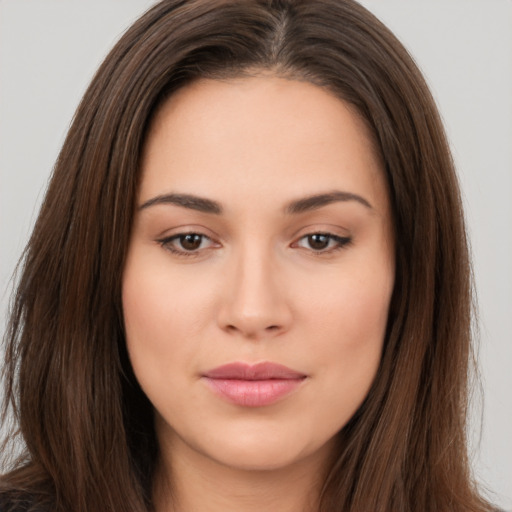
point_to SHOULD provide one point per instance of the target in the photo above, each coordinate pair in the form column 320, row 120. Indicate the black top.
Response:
column 7, row 505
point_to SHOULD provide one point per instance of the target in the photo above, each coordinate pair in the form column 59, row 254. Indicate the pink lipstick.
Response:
column 253, row 385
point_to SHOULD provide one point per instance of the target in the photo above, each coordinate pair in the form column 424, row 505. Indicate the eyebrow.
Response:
column 302, row 205
column 318, row 201
column 192, row 202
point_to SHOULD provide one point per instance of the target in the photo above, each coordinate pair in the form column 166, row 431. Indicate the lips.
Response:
column 253, row 385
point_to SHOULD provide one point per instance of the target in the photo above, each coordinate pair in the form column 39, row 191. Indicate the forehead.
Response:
column 258, row 136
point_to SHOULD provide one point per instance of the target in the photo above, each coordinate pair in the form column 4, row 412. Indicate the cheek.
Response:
column 162, row 316
column 352, row 339
column 146, row 307
column 350, row 305
column 159, row 299
column 351, row 327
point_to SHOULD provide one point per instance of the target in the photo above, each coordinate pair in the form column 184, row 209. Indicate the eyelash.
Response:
column 166, row 243
column 340, row 242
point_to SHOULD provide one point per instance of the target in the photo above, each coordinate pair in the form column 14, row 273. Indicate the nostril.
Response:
column 233, row 328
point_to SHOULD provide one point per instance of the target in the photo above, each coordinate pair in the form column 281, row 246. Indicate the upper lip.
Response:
column 260, row 371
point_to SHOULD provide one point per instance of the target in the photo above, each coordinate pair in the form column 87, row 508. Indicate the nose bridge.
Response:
column 255, row 302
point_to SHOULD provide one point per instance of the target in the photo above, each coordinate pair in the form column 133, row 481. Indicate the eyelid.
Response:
column 165, row 242
column 336, row 241
column 340, row 241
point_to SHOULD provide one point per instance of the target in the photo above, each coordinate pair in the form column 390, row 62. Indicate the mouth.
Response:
column 253, row 385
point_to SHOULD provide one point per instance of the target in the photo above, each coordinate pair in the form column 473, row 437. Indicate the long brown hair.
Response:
column 87, row 428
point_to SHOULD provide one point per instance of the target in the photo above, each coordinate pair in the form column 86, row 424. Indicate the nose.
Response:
column 255, row 303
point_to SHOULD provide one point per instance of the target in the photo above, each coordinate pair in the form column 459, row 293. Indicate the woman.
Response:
column 248, row 286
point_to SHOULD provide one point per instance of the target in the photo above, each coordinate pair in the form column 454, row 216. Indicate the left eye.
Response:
column 322, row 242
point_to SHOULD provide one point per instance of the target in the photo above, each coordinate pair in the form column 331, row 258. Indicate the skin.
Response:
column 254, row 288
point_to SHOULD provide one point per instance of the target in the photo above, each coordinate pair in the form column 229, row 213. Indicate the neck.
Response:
column 190, row 482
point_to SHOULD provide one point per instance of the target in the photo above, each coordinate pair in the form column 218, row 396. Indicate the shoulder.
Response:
column 19, row 497
column 17, row 505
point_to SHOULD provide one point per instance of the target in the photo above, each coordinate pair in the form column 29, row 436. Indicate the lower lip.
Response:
column 253, row 393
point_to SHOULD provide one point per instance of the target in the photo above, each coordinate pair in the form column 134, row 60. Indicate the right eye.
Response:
column 186, row 244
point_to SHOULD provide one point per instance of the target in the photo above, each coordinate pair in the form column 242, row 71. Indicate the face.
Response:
column 259, row 273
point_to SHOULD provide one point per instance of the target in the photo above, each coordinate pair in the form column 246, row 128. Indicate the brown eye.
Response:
column 318, row 241
column 191, row 241
column 187, row 244
column 323, row 242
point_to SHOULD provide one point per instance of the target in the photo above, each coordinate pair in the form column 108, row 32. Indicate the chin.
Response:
column 265, row 450
column 257, row 459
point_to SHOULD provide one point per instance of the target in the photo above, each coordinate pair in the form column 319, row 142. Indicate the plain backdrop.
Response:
column 49, row 50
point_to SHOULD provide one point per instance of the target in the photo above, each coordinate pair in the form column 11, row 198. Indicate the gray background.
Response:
column 49, row 50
